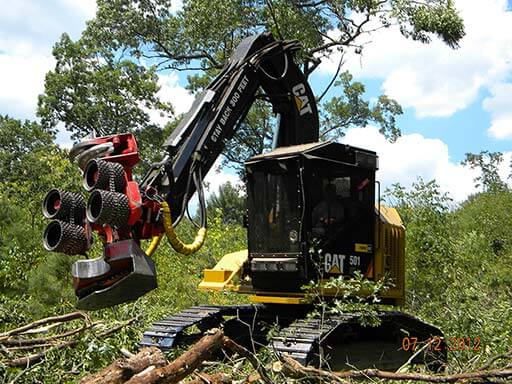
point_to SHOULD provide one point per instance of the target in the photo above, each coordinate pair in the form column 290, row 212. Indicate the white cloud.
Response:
column 28, row 30
column 219, row 176
column 38, row 24
column 87, row 8
column 171, row 91
column 412, row 156
column 176, row 5
column 63, row 138
column 499, row 105
column 22, row 80
column 434, row 79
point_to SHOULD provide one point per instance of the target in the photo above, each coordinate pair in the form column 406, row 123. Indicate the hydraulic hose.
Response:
column 178, row 245
column 155, row 241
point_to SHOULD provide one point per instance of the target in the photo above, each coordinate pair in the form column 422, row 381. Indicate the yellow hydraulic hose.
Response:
column 178, row 245
column 154, row 244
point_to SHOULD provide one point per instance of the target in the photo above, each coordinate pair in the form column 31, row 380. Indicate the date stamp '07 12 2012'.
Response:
column 437, row 343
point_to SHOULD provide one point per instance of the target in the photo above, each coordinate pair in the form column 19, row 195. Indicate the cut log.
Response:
column 123, row 369
column 183, row 365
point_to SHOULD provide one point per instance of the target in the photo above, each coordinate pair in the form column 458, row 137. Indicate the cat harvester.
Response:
column 311, row 215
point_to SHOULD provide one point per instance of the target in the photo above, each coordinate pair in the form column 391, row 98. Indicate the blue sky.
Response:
column 455, row 101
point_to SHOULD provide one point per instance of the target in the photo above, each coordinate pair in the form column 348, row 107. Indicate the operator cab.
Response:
column 311, row 214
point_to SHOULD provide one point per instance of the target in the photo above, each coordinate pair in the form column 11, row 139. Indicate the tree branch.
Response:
column 40, row 340
column 294, row 369
column 35, row 357
column 48, row 320
column 234, row 347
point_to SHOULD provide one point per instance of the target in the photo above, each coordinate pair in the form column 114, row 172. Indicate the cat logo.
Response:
column 301, row 99
column 333, row 263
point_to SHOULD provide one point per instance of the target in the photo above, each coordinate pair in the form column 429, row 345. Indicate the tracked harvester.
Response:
column 311, row 216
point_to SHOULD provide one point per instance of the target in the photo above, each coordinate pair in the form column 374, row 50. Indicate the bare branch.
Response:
column 234, row 347
column 294, row 369
column 340, row 64
column 47, row 320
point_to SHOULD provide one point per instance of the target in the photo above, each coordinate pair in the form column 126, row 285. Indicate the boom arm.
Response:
column 123, row 212
column 259, row 61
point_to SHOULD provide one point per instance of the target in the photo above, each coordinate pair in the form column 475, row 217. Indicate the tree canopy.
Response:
column 107, row 80
column 230, row 202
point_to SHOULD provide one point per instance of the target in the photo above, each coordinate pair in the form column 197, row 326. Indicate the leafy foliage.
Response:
column 188, row 37
column 94, row 90
column 487, row 163
column 351, row 110
column 229, row 202
column 356, row 294
column 456, row 263
column 30, row 165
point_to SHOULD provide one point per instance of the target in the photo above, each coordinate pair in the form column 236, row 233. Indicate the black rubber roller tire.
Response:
column 61, row 205
column 63, row 237
column 101, row 174
column 106, row 207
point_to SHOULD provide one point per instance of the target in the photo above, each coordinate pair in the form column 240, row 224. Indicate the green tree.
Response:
column 204, row 33
column 457, row 259
column 107, row 79
column 97, row 90
column 351, row 110
column 230, row 202
column 489, row 215
column 425, row 212
column 487, row 163
column 30, row 164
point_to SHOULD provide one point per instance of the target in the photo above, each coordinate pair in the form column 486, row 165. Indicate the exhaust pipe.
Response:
column 101, row 174
column 104, row 207
column 64, row 205
column 63, row 237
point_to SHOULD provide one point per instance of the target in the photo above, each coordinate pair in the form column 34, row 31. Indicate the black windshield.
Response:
column 274, row 211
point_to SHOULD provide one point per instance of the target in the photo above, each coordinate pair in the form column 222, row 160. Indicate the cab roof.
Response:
column 324, row 150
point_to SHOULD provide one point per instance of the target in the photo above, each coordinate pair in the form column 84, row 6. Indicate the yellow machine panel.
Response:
column 390, row 252
column 225, row 273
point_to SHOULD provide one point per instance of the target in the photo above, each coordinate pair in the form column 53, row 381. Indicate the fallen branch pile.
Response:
column 123, row 369
column 149, row 366
column 187, row 363
column 20, row 341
